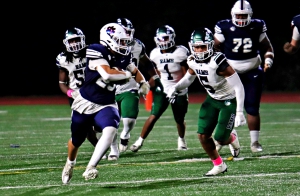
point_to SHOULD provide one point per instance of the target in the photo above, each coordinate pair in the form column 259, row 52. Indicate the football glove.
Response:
column 171, row 95
column 144, row 88
column 240, row 119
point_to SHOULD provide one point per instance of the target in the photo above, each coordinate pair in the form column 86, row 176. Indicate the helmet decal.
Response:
column 110, row 31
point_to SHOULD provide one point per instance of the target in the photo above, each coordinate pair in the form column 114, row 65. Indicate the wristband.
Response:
column 269, row 62
column 69, row 93
column 270, row 53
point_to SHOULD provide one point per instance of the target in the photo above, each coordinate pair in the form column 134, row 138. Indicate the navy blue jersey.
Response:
column 296, row 22
column 92, row 91
column 241, row 42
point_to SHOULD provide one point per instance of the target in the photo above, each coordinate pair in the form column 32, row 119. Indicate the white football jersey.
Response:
column 137, row 51
column 215, row 85
column 75, row 70
column 168, row 64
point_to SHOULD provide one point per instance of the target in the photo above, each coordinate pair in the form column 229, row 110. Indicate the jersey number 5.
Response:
column 79, row 75
column 207, row 87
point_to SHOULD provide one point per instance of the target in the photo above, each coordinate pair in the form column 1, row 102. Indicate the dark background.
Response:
column 33, row 34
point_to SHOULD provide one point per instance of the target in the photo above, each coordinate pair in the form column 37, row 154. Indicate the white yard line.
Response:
column 151, row 180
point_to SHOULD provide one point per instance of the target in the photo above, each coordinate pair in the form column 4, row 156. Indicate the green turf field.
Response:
column 158, row 168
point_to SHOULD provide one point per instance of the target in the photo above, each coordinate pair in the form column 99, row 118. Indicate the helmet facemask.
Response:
column 116, row 38
column 204, row 39
column 241, row 13
column 165, row 37
column 74, row 40
column 127, row 25
column 200, row 56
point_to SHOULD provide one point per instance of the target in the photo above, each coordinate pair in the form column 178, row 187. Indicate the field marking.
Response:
column 16, row 171
column 101, row 184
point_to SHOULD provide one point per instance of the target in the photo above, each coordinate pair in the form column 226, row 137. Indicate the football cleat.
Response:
column 222, row 168
column 123, row 145
column 67, row 173
column 135, row 147
column 113, row 156
column 256, row 147
column 181, row 144
column 104, row 157
column 235, row 145
column 90, row 173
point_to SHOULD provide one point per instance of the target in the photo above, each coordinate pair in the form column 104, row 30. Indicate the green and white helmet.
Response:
column 165, row 37
column 202, row 37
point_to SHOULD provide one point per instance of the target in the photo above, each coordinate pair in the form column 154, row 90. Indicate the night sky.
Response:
column 34, row 32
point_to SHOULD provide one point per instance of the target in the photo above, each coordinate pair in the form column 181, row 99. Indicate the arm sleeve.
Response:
column 106, row 76
column 185, row 82
column 235, row 82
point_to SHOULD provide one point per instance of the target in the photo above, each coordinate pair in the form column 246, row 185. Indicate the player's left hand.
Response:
column 266, row 67
column 171, row 95
column 75, row 93
column 144, row 88
column 240, row 119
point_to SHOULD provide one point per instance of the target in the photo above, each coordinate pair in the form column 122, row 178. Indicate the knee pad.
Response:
column 109, row 133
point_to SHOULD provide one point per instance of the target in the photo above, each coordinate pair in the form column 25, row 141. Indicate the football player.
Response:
column 96, row 104
column 170, row 60
column 71, row 64
column 242, row 39
column 223, row 106
column 128, row 95
column 293, row 46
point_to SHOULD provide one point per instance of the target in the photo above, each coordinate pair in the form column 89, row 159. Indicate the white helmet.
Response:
column 241, row 7
column 114, row 36
column 78, row 37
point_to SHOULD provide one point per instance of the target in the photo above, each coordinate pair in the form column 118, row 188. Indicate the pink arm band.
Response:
column 69, row 93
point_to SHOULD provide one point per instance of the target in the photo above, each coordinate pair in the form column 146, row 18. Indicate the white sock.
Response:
column 140, row 141
column 71, row 162
column 103, row 144
column 254, row 135
column 128, row 124
column 114, row 146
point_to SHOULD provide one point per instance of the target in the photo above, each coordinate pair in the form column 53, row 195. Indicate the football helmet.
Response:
column 115, row 36
column 202, row 37
column 74, row 40
column 165, row 37
column 241, row 7
column 127, row 25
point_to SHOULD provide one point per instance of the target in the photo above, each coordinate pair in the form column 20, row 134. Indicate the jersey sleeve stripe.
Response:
column 218, row 29
column 219, row 58
column 93, row 54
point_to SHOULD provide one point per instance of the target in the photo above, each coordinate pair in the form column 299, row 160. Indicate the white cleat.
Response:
column 235, row 145
column 90, row 173
column 113, row 157
column 67, row 173
column 135, row 147
column 181, row 144
column 256, row 147
column 222, row 168
column 123, row 145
